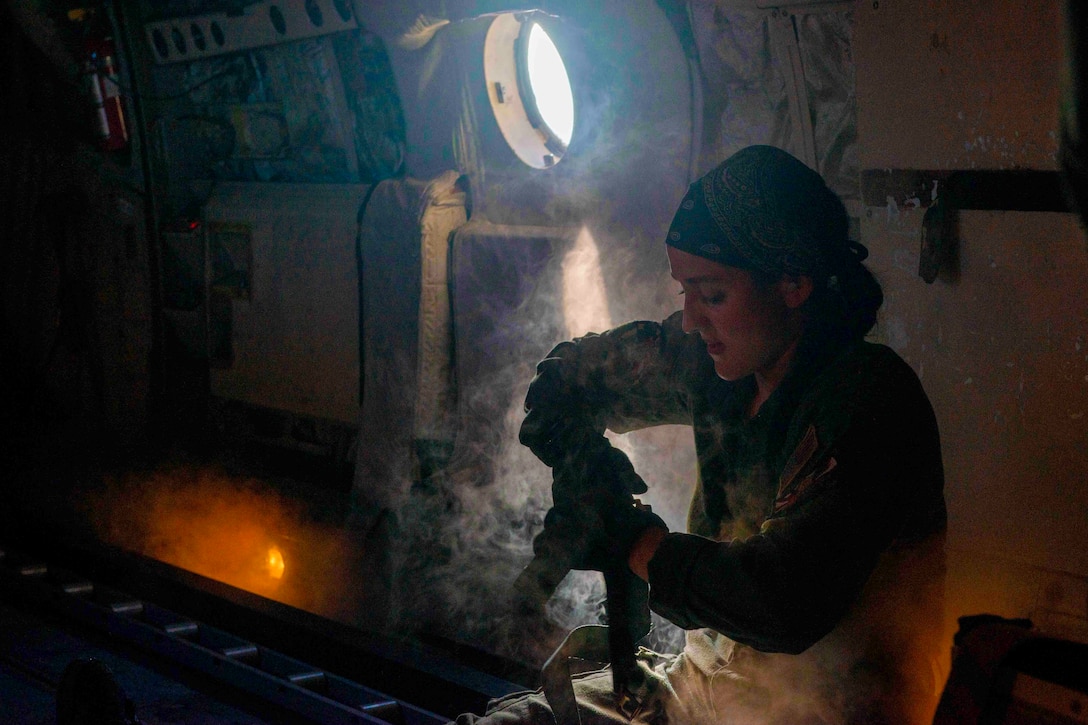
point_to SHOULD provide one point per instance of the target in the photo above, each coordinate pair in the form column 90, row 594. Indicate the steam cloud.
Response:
column 460, row 537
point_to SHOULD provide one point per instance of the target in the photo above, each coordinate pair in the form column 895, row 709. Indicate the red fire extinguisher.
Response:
column 100, row 68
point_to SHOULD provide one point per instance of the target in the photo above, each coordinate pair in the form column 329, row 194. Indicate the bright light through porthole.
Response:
column 529, row 89
column 550, row 85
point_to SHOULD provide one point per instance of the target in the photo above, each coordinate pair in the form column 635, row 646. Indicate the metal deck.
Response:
column 181, row 668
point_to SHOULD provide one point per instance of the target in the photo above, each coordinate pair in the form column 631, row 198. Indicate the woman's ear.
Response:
column 795, row 290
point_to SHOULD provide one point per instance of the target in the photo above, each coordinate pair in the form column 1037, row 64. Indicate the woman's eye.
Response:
column 705, row 298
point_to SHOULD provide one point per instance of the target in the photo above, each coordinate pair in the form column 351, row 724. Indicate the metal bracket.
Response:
column 943, row 193
column 587, row 643
column 261, row 23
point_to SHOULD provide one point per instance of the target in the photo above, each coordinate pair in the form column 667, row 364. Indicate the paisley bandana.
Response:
column 764, row 210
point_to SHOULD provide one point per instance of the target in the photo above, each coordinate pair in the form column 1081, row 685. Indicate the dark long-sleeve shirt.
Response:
column 798, row 511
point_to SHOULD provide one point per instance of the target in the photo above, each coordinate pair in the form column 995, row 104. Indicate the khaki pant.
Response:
column 593, row 690
column 674, row 692
column 882, row 665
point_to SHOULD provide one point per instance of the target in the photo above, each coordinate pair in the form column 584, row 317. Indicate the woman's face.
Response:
column 748, row 327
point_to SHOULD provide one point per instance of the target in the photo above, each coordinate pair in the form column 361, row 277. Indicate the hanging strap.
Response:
column 783, row 31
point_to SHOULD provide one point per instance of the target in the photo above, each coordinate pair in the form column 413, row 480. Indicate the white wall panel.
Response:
column 295, row 341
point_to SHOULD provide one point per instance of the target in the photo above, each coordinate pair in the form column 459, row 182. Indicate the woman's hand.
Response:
column 644, row 548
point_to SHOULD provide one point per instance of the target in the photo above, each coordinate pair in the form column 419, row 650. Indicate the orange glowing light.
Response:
column 274, row 563
column 235, row 530
column 206, row 523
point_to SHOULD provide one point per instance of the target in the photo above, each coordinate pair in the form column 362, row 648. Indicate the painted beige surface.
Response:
column 1003, row 349
column 947, row 84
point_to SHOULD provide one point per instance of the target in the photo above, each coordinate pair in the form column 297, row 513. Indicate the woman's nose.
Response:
column 690, row 321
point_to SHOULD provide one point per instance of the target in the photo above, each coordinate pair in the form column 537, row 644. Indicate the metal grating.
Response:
column 245, row 666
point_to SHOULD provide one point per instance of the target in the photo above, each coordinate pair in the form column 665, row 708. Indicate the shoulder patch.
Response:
column 796, row 492
column 792, row 485
column 801, row 455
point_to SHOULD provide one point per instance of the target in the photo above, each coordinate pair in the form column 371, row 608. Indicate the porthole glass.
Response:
column 529, row 88
column 549, row 84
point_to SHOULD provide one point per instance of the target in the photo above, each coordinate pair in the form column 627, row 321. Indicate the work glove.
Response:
column 558, row 420
column 559, row 425
column 594, row 520
column 593, row 472
column 597, row 537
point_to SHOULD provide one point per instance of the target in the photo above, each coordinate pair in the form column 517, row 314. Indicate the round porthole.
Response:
column 529, row 89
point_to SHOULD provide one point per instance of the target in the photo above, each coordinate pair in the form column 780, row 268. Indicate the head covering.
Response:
column 764, row 210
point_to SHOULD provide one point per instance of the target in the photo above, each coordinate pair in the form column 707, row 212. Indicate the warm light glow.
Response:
column 275, row 564
column 585, row 303
column 233, row 529
column 550, row 84
column 207, row 524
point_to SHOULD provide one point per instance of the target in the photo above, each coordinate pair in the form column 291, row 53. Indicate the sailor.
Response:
column 810, row 580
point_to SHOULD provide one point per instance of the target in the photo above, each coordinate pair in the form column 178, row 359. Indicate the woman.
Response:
column 811, row 579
